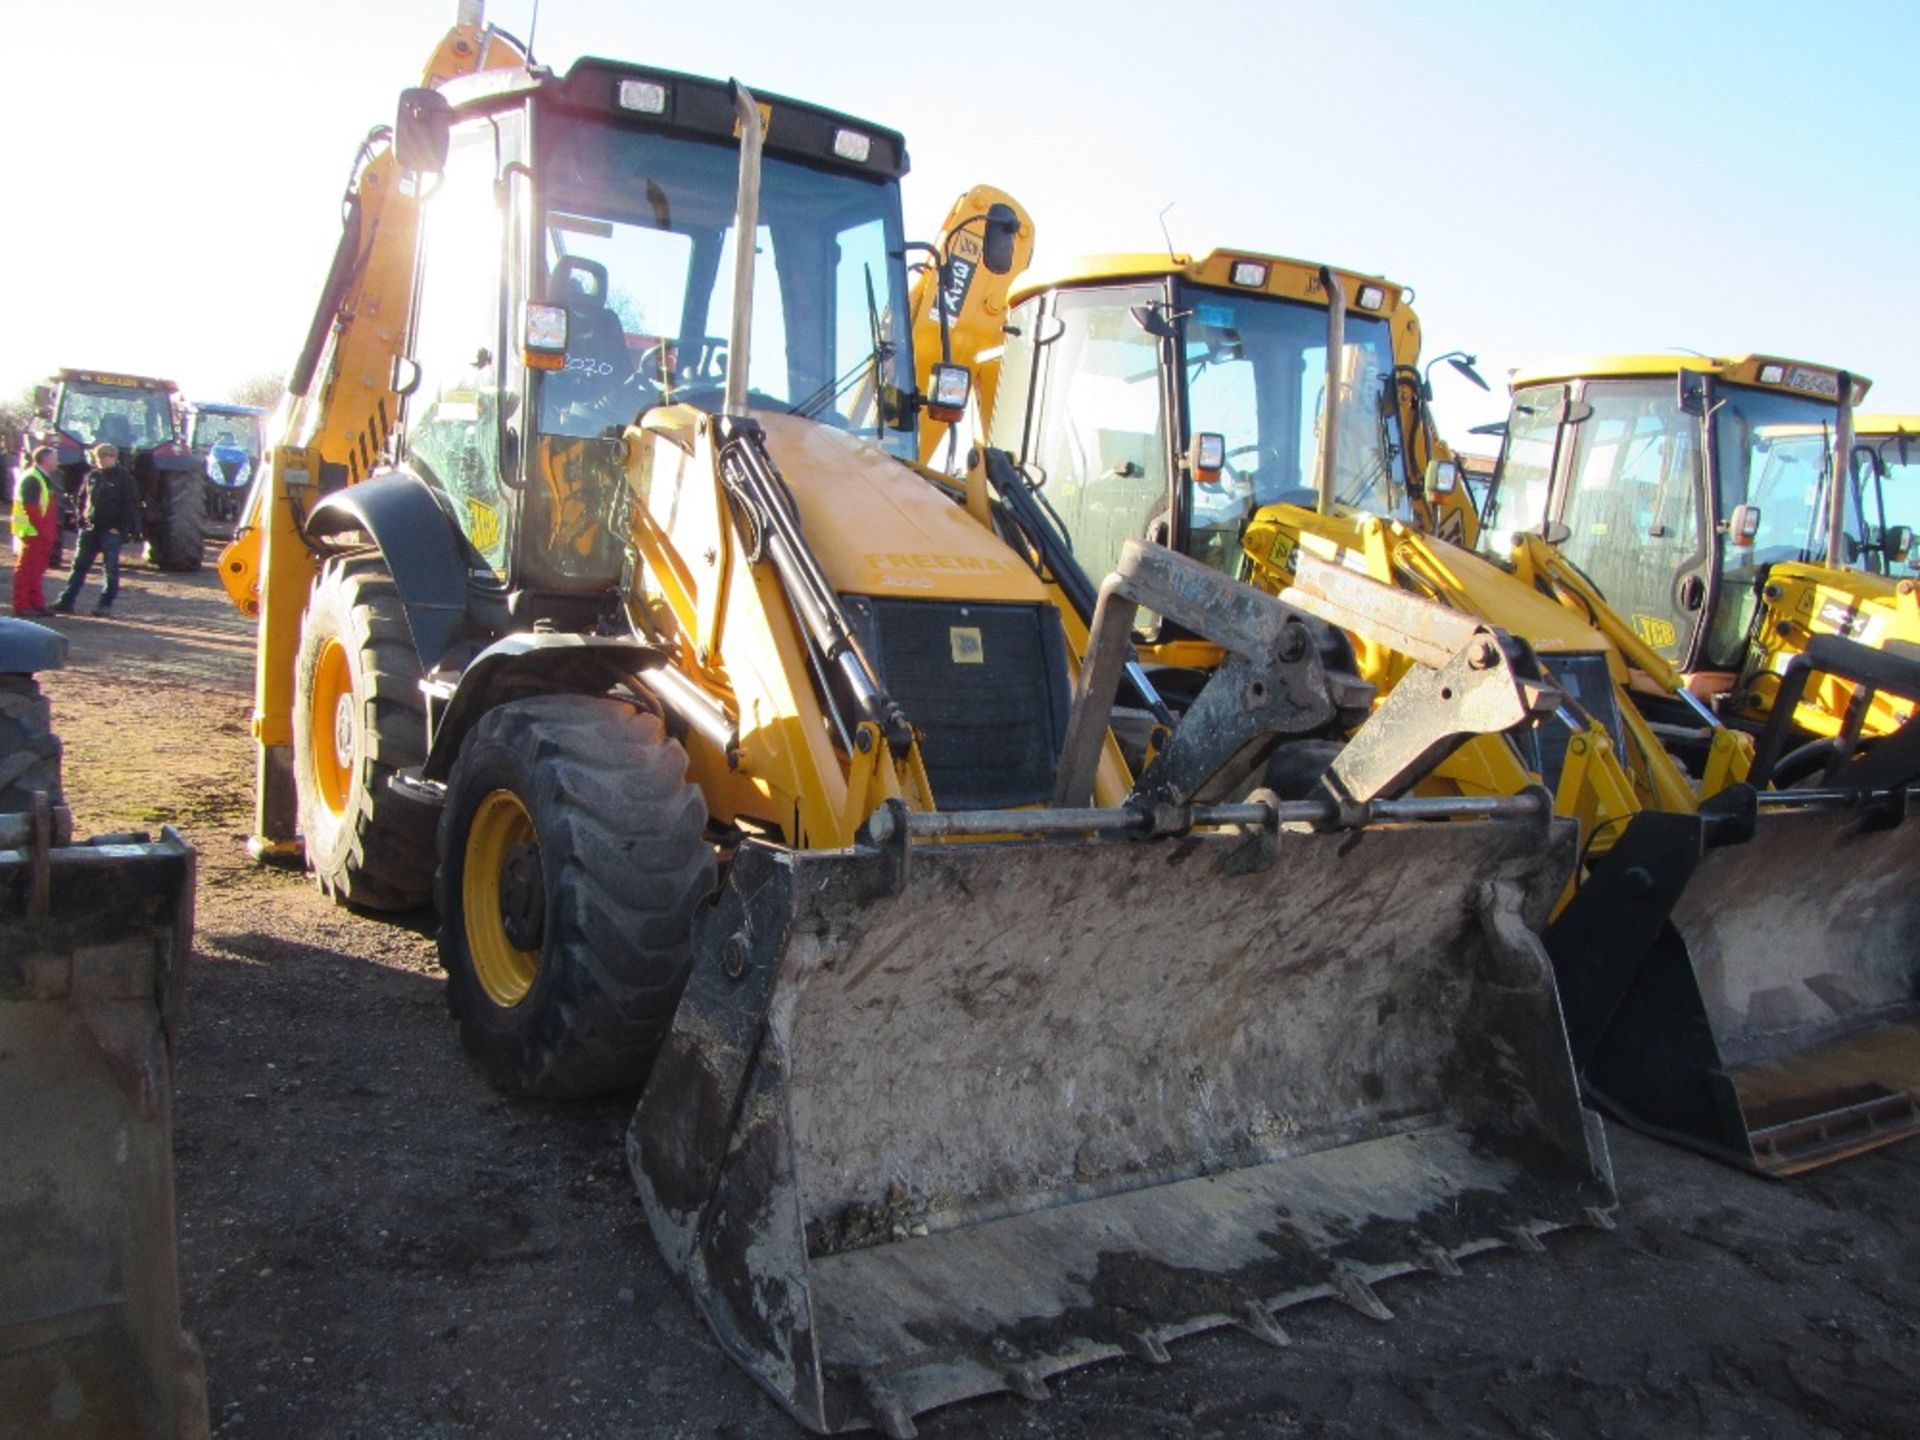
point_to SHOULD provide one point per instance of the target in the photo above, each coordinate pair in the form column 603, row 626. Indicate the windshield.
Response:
column 115, row 415
column 1255, row 372
column 639, row 246
column 1899, row 487
column 229, row 432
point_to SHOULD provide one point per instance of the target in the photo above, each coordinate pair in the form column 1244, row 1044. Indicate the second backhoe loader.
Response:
column 1267, row 417
column 602, row 598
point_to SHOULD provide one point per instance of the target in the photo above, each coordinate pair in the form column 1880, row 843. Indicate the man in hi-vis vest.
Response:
column 36, row 528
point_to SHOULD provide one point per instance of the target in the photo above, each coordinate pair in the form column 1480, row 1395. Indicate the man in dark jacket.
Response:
column 109, row 512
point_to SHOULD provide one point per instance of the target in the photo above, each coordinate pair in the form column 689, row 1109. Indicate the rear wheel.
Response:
column 573, row 855
column 183, row 502
column 29, row 750
column 358, row 716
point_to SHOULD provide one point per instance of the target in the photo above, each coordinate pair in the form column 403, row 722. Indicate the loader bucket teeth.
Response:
column 1773, row 1021
column 929, row 1132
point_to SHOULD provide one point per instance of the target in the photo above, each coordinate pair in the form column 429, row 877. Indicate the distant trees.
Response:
column 263, row 388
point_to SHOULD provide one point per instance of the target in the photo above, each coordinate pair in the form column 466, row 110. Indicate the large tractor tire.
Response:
column 573, row 856
column 181, row 541
column 29, row 750
column 358, row 716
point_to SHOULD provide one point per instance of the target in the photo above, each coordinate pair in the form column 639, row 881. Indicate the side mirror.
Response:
column 422, row 132
column 404, row 378
column 1443, row 477
column 1691, row 392
column 1152, row 318
column 1556, row 533
column 543, row 336
column 1207, row 457
column 1465, row 366
column 43, row 399
column 1743, row 525
column 1897, row 543
column 996, row 246
column 951, row 388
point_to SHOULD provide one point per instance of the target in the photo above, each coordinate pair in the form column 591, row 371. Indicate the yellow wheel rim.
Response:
column 330, row 715
column 503, row 897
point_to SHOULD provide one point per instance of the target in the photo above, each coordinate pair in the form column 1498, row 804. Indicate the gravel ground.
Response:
column 375, row 1244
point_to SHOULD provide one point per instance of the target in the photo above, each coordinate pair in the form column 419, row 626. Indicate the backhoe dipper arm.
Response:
column 335, row 424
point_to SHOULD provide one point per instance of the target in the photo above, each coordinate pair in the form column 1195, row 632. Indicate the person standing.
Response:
column 109, row 512
column 36, row 526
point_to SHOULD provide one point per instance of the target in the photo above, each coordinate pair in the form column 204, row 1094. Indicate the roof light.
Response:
column 1250, row 273
column 1772, row 374
column 1372, row 297
column 852, row 145
column 648, row 97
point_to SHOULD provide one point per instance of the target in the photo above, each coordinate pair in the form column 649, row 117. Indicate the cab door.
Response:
column 1630, row 494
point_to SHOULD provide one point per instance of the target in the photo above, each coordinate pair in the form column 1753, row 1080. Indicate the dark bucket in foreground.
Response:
column 1774, row 1023
column 938, row 1122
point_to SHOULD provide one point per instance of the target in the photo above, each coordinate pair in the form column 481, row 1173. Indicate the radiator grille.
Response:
column 986, row 686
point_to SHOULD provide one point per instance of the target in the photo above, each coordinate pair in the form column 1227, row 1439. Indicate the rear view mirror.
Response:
column 1555, row 533
column 1207, row 456
column 43, row 399
column 1464, row 364
column 404, row 378
column 543, row 336
column 1443, row 477
column 1897, row 543
column 996, row 246
column 422, row 132
column 1152, row 319
column 1691, row 395
column 1743, row 525
column 952, row 387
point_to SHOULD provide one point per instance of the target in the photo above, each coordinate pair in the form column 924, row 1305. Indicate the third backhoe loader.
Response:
column 602, row 598
column 1730, row 960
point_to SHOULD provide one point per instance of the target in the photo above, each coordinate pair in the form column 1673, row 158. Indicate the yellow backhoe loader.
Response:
column 602, row 599
column 1193, row 403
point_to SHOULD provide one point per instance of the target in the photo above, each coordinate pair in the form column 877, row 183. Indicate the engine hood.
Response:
column 879, row 528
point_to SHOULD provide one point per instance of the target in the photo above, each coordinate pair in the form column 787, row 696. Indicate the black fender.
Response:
column 432, row 563
column 531, row 663
column 27, row 648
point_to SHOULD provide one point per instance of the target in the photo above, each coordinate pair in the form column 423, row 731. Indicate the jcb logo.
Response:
column 1658, row 633
column 967, row 646
column 483, row 525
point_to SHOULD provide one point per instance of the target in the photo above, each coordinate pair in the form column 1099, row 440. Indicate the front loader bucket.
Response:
column 945, row 1119
column 93, row 944
column 1774, row 1022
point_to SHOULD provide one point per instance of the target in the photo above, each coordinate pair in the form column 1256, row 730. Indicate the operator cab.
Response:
column 609, row 195
column 1675, row 483
column 1110, row 372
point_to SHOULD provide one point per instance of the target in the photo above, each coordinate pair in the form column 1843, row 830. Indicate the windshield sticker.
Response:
column 1220, row 317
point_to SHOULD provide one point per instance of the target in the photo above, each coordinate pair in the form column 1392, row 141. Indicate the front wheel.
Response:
column 358, row 716
column 573, row 855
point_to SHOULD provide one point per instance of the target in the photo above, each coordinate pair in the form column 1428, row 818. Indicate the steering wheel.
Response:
column 702, row 367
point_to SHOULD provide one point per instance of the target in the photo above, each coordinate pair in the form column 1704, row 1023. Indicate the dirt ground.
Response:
column 373, row 1244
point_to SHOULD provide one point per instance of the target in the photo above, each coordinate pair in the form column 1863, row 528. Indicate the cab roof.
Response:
column 114, row 377
column 1770, row 372
column 1285, row 277
column 1886, row 425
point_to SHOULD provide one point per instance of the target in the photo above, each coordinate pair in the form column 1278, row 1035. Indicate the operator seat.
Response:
column 594, row 333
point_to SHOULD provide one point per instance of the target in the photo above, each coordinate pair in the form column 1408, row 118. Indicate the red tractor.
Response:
column 84, row 408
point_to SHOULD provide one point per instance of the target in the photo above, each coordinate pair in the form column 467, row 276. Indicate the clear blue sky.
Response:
column 1552, row 179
